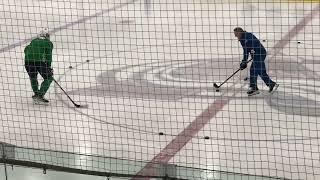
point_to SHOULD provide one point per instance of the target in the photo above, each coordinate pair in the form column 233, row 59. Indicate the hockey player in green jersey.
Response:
column 38, row 58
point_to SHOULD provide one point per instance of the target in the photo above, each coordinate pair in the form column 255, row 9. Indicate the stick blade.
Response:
column 216, row 85
column 81, row 106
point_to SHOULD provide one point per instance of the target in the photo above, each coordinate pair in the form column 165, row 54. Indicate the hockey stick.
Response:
column 75, row 104
column 218, row 86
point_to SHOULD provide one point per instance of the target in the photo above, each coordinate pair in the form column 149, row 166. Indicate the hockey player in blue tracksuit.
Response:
column 251, row 45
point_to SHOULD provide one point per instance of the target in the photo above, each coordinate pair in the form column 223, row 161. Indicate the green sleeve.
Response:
column 27, row 53
column 48, row 52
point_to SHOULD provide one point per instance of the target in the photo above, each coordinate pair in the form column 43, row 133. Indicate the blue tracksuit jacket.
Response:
column 251, row 45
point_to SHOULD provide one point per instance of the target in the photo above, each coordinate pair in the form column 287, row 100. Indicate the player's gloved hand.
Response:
column 243, row 65
column 51, row 70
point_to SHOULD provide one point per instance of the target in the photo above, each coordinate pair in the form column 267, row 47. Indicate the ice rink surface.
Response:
column 149, row 69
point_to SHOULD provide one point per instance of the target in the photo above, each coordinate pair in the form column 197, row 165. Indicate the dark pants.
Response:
column 258, row 68
column 33, row 70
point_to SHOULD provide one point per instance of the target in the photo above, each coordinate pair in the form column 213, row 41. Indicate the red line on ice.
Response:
column 183, row 138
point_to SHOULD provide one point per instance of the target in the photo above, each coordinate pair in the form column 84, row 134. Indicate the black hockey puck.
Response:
column 160, row 133
column 264, row 40
column 299, row 42
column 206, row 137
column 217, row 90
column 70, row 67
column 88, row 60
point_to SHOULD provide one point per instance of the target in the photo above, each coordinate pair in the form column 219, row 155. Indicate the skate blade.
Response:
column 255, row 93
column 40, row 103
column 274, row 89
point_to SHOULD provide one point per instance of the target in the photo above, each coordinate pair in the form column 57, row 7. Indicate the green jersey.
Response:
column 39, row 50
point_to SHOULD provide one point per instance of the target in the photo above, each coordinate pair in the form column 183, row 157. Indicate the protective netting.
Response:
column 143, row 73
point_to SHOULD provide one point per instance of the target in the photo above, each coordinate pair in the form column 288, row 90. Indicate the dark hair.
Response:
column 238, row 29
